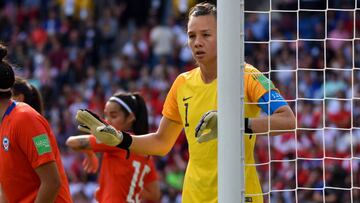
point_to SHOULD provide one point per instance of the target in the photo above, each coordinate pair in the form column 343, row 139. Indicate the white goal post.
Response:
column 230, row 47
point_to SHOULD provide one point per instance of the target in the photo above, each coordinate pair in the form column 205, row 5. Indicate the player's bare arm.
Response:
column 159, row 142
column 2, row 196
column 282, row 120
column 81, row 142
column 50, row 182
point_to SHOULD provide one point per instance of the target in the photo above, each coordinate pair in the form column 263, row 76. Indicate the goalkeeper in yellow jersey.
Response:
column 193, row 94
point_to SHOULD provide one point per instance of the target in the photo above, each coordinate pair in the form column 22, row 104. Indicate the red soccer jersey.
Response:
column 27, row 143
column 121, row 179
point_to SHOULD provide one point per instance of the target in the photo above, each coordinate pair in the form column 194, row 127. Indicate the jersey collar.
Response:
column 9, row 109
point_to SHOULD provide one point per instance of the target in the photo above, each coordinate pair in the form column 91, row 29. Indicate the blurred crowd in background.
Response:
column 80, row 52
column 317, row 52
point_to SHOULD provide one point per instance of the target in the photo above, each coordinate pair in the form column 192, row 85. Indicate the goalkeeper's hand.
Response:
column 206, row 129
column 89, row 122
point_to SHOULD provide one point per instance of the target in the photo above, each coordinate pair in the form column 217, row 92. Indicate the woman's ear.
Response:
column 129, row 121
column 131, row 118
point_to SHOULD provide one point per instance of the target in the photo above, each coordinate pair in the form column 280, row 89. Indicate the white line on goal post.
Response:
column 230, row 46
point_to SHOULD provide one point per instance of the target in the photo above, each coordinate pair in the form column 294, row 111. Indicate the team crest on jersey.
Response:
column 6, row 143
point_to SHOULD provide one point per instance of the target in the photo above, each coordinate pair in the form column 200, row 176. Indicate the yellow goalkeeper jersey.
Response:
column 188, row 99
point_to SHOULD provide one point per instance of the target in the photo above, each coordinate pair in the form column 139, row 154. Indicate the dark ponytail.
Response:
column 141, row 124
column 31, row 94
column 36, row 100
column 7, row 76
column 137, row 105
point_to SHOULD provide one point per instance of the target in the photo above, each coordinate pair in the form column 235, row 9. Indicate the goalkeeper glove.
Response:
column 89, row 122
column 206, row 129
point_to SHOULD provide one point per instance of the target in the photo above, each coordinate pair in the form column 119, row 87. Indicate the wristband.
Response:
column 248, row 129
column 125, row 143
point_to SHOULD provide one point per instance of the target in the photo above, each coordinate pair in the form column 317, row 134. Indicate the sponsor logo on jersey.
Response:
column 187, row 98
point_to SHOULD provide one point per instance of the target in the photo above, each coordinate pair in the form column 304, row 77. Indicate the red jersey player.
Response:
column 123, row 177
column 30, row 164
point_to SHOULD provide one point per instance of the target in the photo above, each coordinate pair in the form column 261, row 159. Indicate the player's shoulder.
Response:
column 250, row 69
column 190, row 74
column 187, row 76
column 23, row 112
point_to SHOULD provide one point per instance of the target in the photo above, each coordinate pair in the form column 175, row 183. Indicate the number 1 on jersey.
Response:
column 186, row 114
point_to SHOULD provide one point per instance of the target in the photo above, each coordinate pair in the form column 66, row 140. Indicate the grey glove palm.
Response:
column 206, row 129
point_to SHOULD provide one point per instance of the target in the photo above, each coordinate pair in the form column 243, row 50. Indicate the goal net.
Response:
column 310, row 49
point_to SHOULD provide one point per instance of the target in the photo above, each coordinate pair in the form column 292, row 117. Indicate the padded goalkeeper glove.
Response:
column 105, row 133
column 206, row 129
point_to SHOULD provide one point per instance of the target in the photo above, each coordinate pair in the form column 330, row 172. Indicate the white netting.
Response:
column 310, row 49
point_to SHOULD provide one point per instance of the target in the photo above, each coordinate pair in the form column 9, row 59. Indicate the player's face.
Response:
column 116, row 117
column 202, row 38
